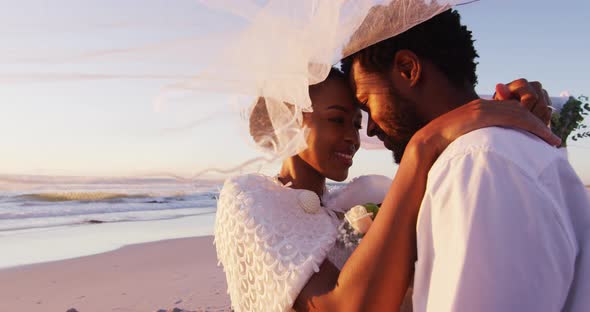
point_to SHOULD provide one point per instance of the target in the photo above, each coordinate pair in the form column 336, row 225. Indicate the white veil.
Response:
column 261, row 51
column 288, row 45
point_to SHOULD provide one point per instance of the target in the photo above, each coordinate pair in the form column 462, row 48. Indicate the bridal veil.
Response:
column 258, row 51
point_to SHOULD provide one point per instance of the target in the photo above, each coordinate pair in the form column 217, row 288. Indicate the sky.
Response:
column 112, row 127
column 539, row 40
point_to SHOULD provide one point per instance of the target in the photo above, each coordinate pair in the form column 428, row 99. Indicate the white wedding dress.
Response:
column 270, row 246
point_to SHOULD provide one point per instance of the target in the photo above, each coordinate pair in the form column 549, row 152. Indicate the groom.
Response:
column 505, row 221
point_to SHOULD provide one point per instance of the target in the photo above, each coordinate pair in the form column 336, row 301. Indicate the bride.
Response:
column 276, row 236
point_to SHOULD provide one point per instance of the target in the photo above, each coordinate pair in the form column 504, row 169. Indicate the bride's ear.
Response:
column 407, row 66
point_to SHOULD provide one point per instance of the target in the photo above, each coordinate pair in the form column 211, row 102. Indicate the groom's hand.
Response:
column 530, row 94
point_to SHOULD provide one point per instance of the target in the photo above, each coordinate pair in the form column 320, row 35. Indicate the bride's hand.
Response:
column 531, row 95
column 440, row 132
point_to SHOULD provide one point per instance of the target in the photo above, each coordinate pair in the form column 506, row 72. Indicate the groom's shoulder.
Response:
column 520, row 148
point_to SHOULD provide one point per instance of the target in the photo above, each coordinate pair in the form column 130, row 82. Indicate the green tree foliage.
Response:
column 571, row 119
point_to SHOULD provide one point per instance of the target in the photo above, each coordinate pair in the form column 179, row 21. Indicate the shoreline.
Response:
column 165, row 274
column 43, row 245
column 175, row 266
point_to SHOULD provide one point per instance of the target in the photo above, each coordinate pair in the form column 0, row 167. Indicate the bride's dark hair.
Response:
column 261, row 128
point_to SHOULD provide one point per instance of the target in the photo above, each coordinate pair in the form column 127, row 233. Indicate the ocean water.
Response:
column 46, row 219
column 53, row 218
column 41, row 202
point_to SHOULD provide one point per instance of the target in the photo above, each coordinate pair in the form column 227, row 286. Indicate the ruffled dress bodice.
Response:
column 269, row 246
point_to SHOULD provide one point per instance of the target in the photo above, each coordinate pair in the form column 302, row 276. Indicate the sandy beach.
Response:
column 153, row 276
column 180, row 273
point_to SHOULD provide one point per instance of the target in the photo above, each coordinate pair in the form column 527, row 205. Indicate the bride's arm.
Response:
column 376, row 276
column 384, row 259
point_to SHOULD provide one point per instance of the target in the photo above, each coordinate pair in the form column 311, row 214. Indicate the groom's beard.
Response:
column 402, row 125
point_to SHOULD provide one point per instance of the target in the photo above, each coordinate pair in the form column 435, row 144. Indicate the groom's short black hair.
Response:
column 442, row 40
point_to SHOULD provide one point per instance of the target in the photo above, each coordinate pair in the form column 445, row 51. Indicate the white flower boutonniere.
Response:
column 359, row 219
column 357, row 222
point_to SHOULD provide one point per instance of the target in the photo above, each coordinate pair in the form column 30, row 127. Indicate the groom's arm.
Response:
column 495, row 241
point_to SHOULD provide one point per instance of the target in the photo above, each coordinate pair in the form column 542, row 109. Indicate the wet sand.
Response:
column 180, row 273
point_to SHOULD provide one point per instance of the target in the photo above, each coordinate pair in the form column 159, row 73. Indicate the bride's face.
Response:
column 334, row 129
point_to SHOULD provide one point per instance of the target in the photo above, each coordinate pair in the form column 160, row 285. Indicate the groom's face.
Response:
column 392, row 115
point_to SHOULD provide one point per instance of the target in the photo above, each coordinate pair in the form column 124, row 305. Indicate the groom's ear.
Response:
column 408, row 65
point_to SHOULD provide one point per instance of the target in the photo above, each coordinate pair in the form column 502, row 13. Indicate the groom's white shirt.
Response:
column 504, row 226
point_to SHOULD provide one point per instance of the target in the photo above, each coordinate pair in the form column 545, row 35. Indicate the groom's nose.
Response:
column 371, row 127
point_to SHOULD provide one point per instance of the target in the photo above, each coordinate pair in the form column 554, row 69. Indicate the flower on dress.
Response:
column 360, row 220
column 309, row 202
column 355, row 225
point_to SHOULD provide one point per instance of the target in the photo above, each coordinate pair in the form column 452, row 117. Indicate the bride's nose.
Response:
column 352, row 136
